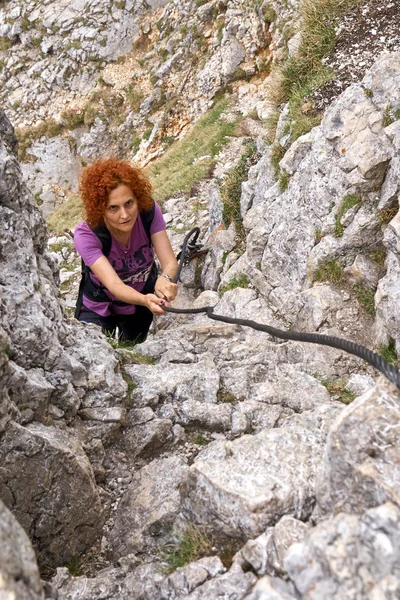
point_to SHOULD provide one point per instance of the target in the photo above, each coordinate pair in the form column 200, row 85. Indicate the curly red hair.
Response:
column 103, row 176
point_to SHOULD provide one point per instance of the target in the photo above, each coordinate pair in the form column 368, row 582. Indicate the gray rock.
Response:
column 19, row 573
column 47, row 481
column 261, row 478
column 149, row 507
column 361, row 465
column 349, row 556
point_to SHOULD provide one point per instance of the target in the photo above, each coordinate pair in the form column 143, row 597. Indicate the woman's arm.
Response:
column 109, row 278
column 169, row 265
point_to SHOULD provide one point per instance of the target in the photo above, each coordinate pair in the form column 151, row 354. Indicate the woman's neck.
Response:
column 121, row 236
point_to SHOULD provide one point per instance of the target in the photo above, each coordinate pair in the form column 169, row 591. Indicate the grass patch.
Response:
column 238, row 281
column 379, row 255
column 284, row 179
column 226, row 397
column 199, row 439
column 348, row 202
column 195, row 544
column 336, row 387
column 134, row 97
column 27, row 135
column 277, row 153
column 232, row 189
column 365, row 297
column 387, row 214
column 180, row 166
column 388, row 352
column 329, row 270
column 302, row 74
column 67, row 216
column 387, row 118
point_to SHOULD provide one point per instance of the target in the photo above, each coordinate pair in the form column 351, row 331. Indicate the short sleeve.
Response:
column 158, row 223
column 87, row 244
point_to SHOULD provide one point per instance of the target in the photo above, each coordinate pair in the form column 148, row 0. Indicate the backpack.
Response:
column 96, row 292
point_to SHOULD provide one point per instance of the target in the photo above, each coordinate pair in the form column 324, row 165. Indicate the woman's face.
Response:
column 121, row 211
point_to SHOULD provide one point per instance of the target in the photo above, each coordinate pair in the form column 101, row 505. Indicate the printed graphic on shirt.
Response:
column 135, row 268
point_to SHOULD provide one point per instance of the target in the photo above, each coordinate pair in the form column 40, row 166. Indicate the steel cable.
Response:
column 377, row 361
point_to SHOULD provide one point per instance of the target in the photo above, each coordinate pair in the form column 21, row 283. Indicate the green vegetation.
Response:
column 9, row 352
column 5, row 44
column 226, row 397
column 26, row 136
column 388, row 352
column 378, row 255
column 284, row 179
column 303, row 73
column 238, row 281
column 232, row 189
column 277, row 153
column 365, row 296
column 74, row 566
column 336, row 387
column 189, row 160
column 195, row 544
column 329, row 270
column 72, row 118
column 397, row 114
column 368, row 92
column 268, row 13
column 387, row 214
column 134, row 97
column 348, row 202
column 387, row 118
column 199, row 439
column 67, row 216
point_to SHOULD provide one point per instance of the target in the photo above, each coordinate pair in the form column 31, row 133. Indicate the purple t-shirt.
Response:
column 132, row 264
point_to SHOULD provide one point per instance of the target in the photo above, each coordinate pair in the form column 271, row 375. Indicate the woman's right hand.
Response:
column 154, row 304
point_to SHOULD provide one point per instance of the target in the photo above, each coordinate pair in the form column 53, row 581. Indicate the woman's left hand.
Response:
column 166, row 289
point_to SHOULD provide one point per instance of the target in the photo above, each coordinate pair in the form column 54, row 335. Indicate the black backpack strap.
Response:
column 147, row 217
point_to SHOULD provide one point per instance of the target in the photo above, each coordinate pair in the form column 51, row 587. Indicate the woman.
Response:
column 122, row 288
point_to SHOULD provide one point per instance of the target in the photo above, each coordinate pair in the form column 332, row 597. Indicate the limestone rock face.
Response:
column 19, row 573
column 149, row 507
column 49, row 370
column 361, row 467
column 243, row 486
column 47, row 481
column 349, row 557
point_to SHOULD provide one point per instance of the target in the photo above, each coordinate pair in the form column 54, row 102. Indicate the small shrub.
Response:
column 397, row 114
column 368, row 92
column 9, row 352
column 329, row 270
column 195, row 544
column 147, row 133
column 388, row 352
column 365, row 296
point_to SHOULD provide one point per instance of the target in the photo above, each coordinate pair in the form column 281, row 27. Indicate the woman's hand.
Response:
column 166, row 289
column 155, row 304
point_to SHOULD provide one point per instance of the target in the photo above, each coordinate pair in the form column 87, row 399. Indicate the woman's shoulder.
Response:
column 85, row 239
